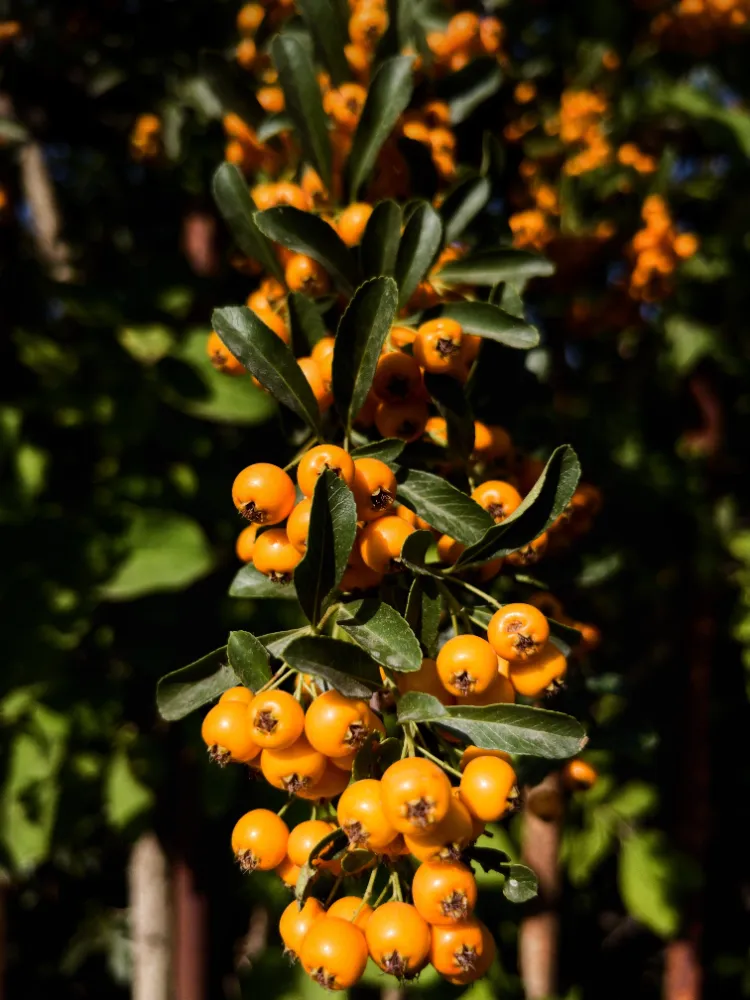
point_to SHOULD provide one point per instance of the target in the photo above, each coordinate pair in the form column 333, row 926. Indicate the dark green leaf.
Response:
column 303, row 102
column 423, row 608
column 305, row 322
column 490, row 858
column 379, row 247
column 233, row 200
column 420, row 244
column 650, row 878
column 388, row 95
column 329, row 29
column 355, row 861
column 386, row 450
column 306, row 233
column 414, row 551
column 364, row 758
column 380, row 629
column 345, row 666
column 445, row 508
column 359, row 340
column 493, row 155
column 508, row 297
column 521, row 883
column 228, row 83
column 333, row 527
column 268, row 358
column 486, row 320
column 453, row 407
column 469, row 87
column 248, row 582
column 491, row 266
column 546, row 501
column 465, row 201
column 276, row 642
column 516, row 729
column 249, row 659
column 273, row 125
column 184, row 690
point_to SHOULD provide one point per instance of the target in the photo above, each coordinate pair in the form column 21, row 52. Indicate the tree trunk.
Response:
column 149, row 920
column 538, row 937
column 190, row 916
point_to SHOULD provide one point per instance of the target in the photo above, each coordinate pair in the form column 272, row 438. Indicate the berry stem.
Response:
column 437, row 760
column 457, row 609
column 289, row 801
column 282, row 674
column 395, row 883
column 368, row 892
column 334, row 890
column 475, row 590
column 305, row 447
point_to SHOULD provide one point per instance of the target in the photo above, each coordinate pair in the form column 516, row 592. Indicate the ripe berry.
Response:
column 315, row 461
column 362, row 817
column 306, row 836
column 500, row 692
column 517, row 632
column 578, row 775
column 437, row 345
column 462, row 952
column 288, row 872
column 292, row 768
column 530, row 553
column 541, row 674
column 315, row 380
column 246, row 543
column 222, row 358
column 336, row 725
column 333, row 782
column 444, row 892
column 466, row 664
column 334, row 953
column 406, row 420
column 425, row 680
column 227, row 734
column 446, row 840
column 498, row 498
column 353, row 909
column 239, row 694
column 276, row 720
column 296, row 922
column 398, row 378
column 303, row 274
column 416, row 795
column 275, row 556
column 471, row 753
column 298, row 525
column 263, row 493
column 357, row 576
column 352, row 222
column 259, row 840
column 381, row 542
column 398, row 939
column 487, row 784
column 374, row 488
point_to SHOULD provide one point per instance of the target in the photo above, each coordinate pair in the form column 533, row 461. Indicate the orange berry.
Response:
column 288, row 872
column 246, row 543
column 246, row 53
column 381, row 542
column 462, row 29
column 487, row 785
column 543, row 673
column 357, row 576
column 315, row 461
column 275, row 556
column 466, row 664
column 306, row 836
column 334, row 953
column 222, row 359
column 426, row 681
column 437, row 345
column 406, row 420
column 578, row 775
column 333, row 782
column 322, row 353
column 374, row 488
column 367, row 25
column 298, row 525
column 263, row 493
column 303, row 274
column 249, row 18
column 398, row 939
column 444, row 892
column 239, row 694
column 462, row 952
column 499, row 692
column 353, row 909
column 227, row 734
column 416, row 795
column 517, row 632
column 292, row 768
column 471, row 753
column 398, row 377
column 336, row 725
column 259, row 840
column 276, row 719
column 446, row 840
column 296, row 922
column 314, row 377
column 530, row 553
column 352, row 222
column 402, row 336
column 362, row 817
column 498, row 498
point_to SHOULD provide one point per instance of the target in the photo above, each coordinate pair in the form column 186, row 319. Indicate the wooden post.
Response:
column 190, row 917
column 148, row 886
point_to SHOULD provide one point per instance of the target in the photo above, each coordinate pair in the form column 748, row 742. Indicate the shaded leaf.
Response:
column 469, row 87
column 414, row 551
column 464, row 202
column 453, row 406
column 228, row 84
column 420, row 244
column 490, row 266
column 305, row 323
column 233, row 200
column 486, row 320
column 386, row 450
column 516, row 729
column 248, row 659
column 268, row 358
column 184, row 690
column 248, row 582
column 649, row 876
column 330, row 32
column 379, row 247
column 380, row 629
column 272, row 125
column 302, row 101
column 276, row 642
column 423, row 608
column 345, row 666
column 354, row 861
column 306, row 233
column 388, row 95
column 445, row 508
column 359, row 340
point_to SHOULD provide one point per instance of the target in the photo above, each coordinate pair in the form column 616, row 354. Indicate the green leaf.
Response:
column 305, row 323
column 464, row 202
column 589, row 846
column 333, row 527
column 469, row 87
column 303, row 102
column 228, row 84
column 306, row 233
column 354, row 862
column 125, row 796
column 233, row 200
column 345, row 666
column 445, row 508
column 491, row 266
column 248, row 659
column 330, row 31
column 486, row 320
column 388, row 95
column 386, row 450
column 248, row 582
column 383, row 633
column 273, row 125
column 276, row 642
column 166, row 551
column 12, row 131
column 452, row 403
column 649, row 877
column 379, row 247
column 414, row 551
column 332, row 844
column 359, row 340
column 423, row 608
column 184, row 690
column 521, row 884
column 516, row 729
column 419, row 246
column 268, row 358
column 546, row 501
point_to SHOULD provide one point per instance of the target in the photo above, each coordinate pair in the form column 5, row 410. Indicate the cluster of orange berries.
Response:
column 465, row 37
column 658, row 248
column 145, row 137
column 630, row 155
column 581, row 125
column 699, row 25
column 368, row 23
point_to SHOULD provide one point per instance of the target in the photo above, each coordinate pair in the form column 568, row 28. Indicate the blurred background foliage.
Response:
column 118, row 440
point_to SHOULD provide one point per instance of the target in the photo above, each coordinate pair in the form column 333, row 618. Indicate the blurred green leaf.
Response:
column 648, row 875
column 125, row 796
column 379, row 247
column 327, row 25
column 233, row 199
column 487, row 267
column 462, row 204
column 147, row 344
column 486, row 320
column 248, row 582
column 419, row 246
column 303, row 102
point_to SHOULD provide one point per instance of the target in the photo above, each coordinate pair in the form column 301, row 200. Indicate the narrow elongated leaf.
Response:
column 306, row 233
column 414, row 552
column 380, row 629
column 249, row 659
column 268, row 358
column 276, row 642
column 248, row 582
column 305, row 322
column 386, row 450
column 491, row 266
column 272, row 125
column 184, row 690
column 345, row 666
column 516, row 729
column 333, row 526
column 233, row 200
column 469, row 87
column 486, row 320
column 445, row 508
column 420, row 244
column 454, row 408
column 329, row 29
column 387, row 96
column 465, row 201
column 551, row 494
column 379, row 247
column 303, row 102
column 423, row 612
column 359, row 340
